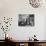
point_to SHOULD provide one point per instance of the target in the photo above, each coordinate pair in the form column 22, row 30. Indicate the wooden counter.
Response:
column 27, row 42
column 40, row 41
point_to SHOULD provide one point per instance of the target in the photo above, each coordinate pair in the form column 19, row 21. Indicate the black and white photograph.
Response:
column 26, row 20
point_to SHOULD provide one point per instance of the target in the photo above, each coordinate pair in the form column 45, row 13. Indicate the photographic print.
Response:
column 26, row 20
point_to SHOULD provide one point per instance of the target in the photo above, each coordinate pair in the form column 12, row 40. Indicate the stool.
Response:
column 40, row 44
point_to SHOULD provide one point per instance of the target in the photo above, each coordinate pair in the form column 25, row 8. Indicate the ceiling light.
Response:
column 36, row 3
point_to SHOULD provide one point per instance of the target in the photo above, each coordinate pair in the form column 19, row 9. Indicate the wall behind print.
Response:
column 11, row 8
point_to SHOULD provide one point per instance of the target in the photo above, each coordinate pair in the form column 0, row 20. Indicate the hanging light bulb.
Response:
column 35, row 3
